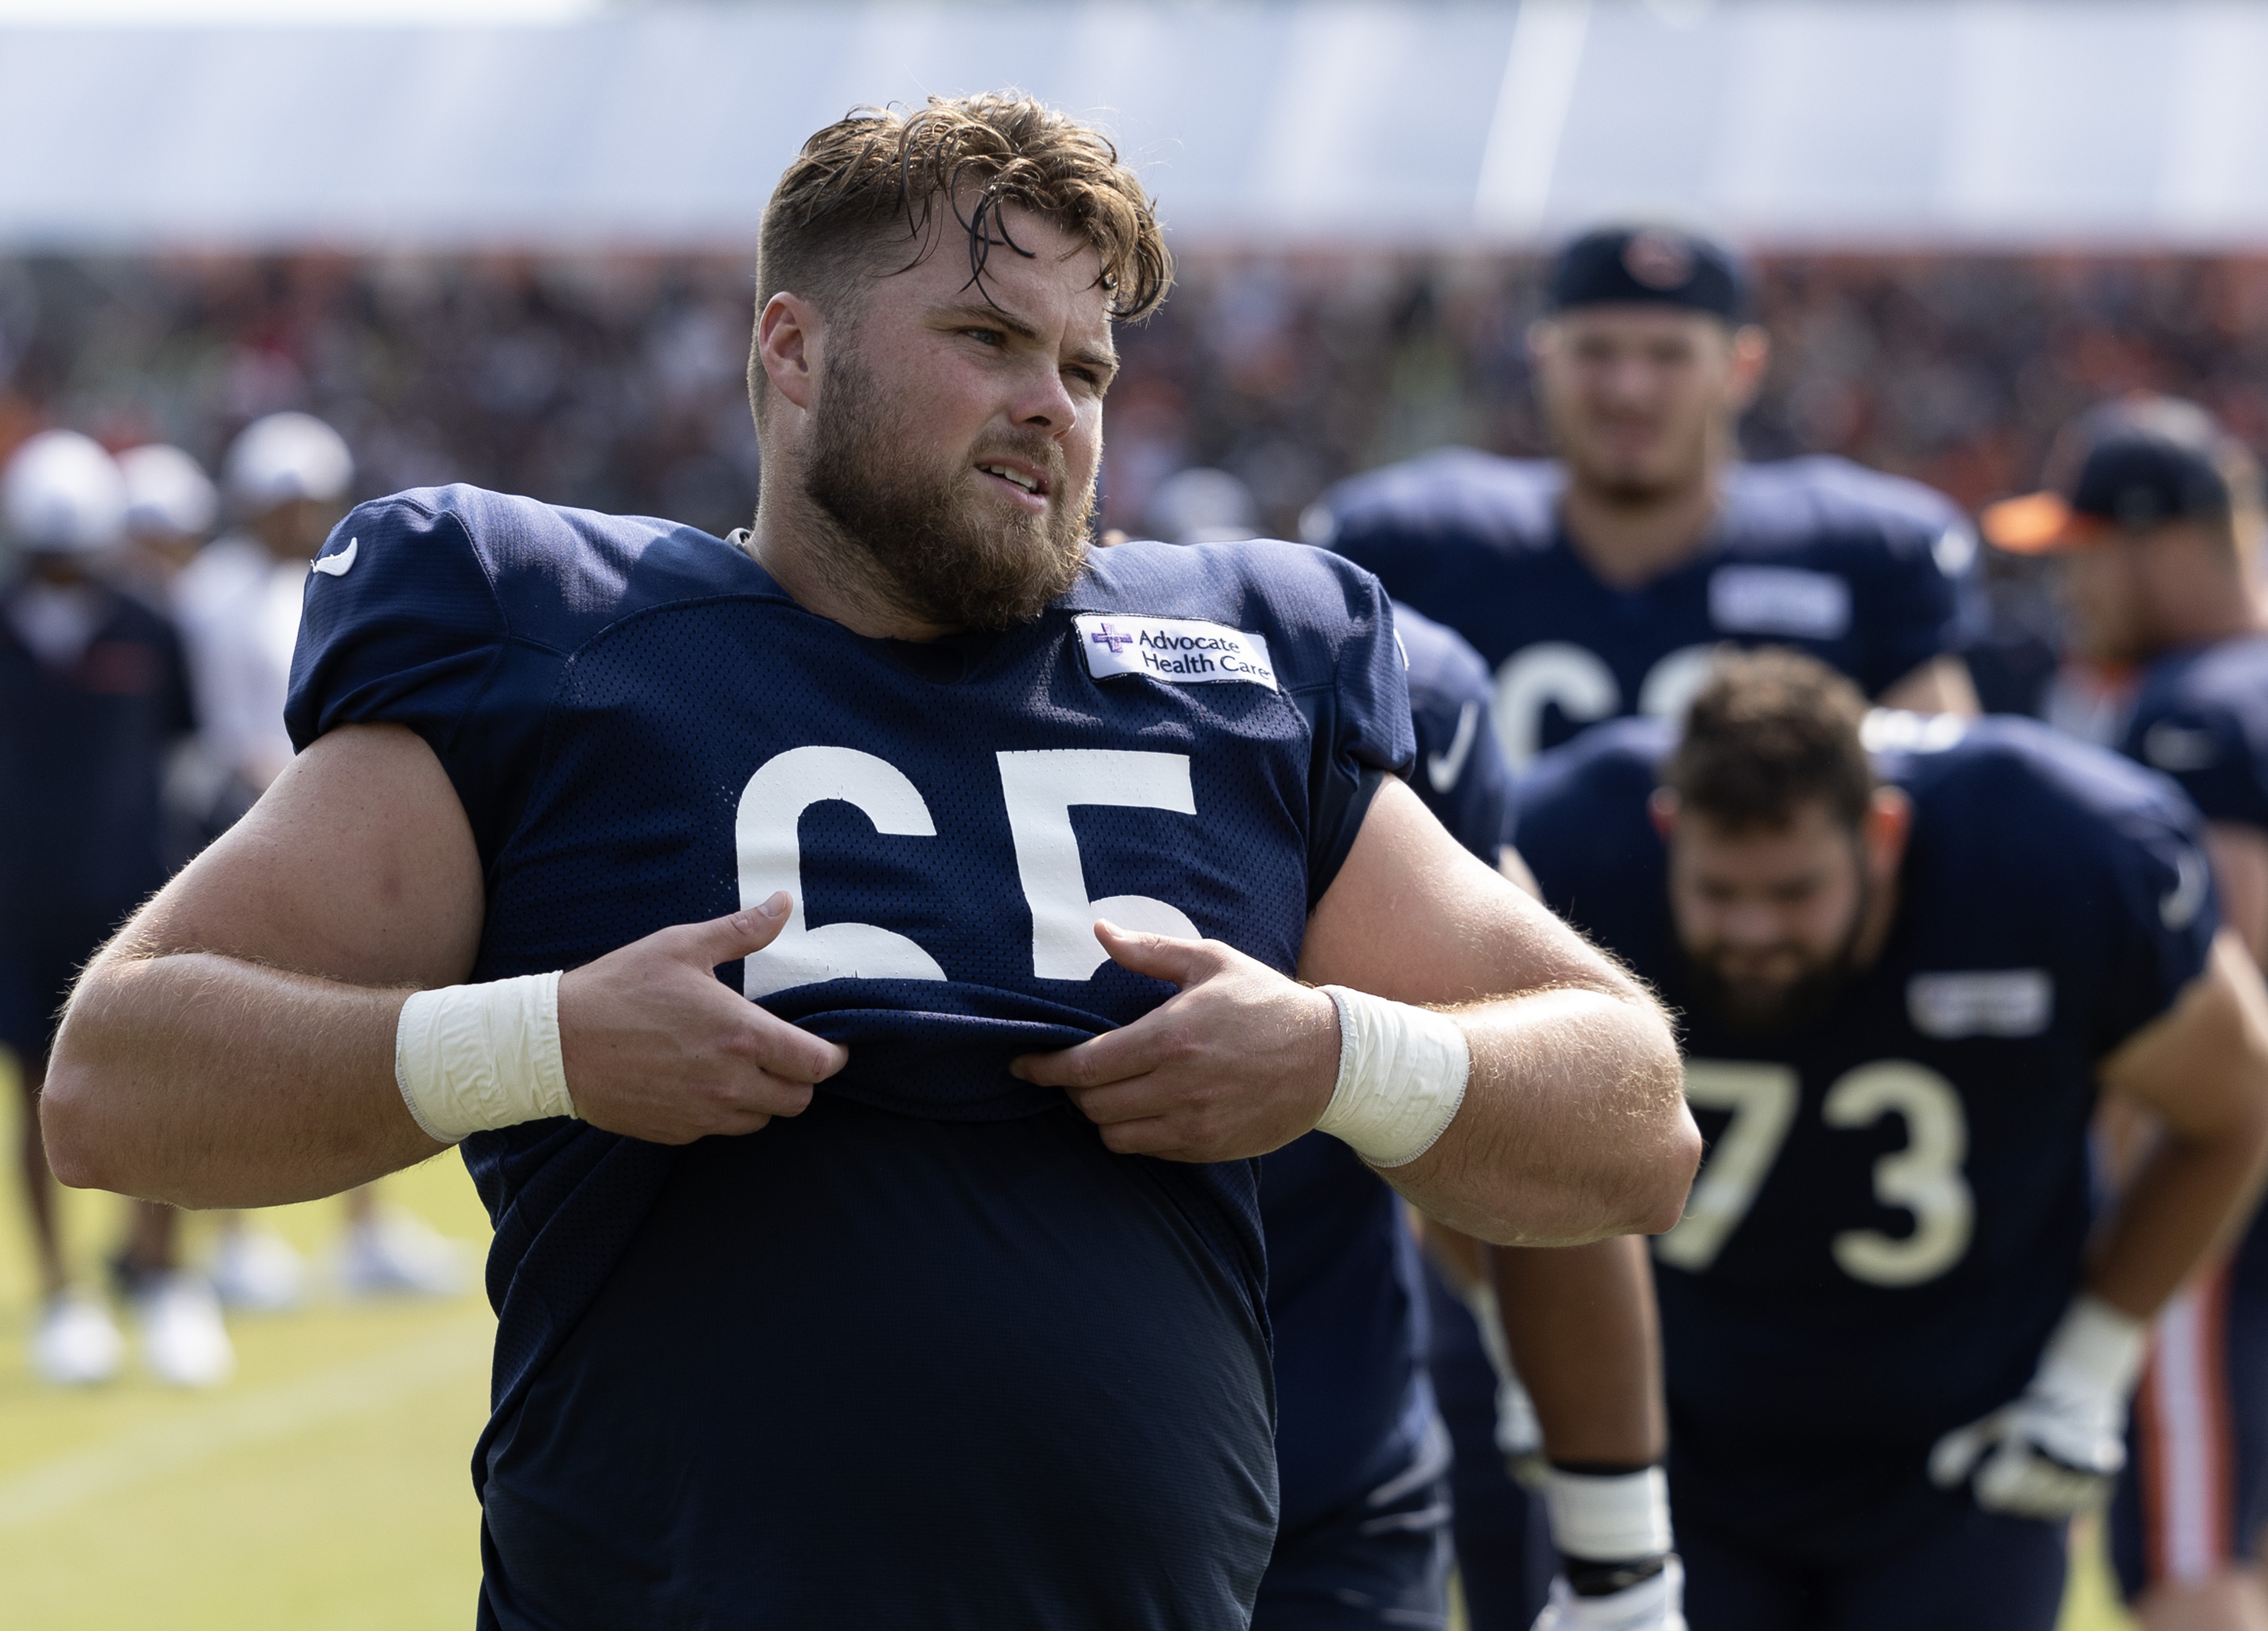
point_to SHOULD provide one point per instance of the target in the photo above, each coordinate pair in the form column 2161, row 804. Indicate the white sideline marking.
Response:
column 354, row 1389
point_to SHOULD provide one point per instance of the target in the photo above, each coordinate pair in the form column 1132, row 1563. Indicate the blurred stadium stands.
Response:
column 615, row 382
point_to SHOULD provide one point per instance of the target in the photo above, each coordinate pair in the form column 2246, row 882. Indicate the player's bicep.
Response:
column 2202, row 1065
column 357, row 864
column 1414, row 916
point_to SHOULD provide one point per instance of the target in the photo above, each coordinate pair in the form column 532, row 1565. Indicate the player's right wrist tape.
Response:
column 470, row 1059
column 1402, row 1077
column 1616, row 1517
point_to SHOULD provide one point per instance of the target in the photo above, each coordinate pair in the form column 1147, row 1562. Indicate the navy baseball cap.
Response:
column 2127, row 465
column 1652, row 266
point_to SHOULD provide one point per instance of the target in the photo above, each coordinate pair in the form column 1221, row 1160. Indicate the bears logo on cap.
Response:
column 1659, row 260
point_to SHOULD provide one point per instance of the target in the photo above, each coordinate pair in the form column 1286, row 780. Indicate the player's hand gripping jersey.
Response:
column 930, row 1332
column 1857, row 568
column 1890, row 1218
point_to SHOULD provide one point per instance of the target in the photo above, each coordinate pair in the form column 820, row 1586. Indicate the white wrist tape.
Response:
column 2096, row 1352
column 468, row 1058
column 1609, row 1519
column 1402, row 1076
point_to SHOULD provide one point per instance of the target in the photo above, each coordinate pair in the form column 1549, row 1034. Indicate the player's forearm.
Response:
column 2189, row 1199
column 209, row 1081
column 1574, row 1126
column 1580, row 1325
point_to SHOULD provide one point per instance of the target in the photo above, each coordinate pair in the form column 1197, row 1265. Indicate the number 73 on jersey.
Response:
column 1925, row 1179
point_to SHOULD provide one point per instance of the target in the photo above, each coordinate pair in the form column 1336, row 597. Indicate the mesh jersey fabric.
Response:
column 644, row 730
column 1865, row 571
column 2052, row 902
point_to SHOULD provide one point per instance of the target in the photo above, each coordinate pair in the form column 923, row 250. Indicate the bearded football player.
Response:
column 1899, row 1337
column 860, row 957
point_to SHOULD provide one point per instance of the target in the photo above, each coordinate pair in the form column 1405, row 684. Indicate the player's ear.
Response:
column 1662, row 807
column 788, row 332
column 1889, row 823
column 1751, row 356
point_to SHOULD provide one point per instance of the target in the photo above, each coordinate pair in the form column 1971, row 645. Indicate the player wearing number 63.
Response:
column 973, row 1335
column 1894, row 1363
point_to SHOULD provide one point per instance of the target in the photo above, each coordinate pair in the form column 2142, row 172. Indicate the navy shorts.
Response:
column 1505, row 1560
column 2195, row 1495
column 1380, row 1562
column 1982, row 1571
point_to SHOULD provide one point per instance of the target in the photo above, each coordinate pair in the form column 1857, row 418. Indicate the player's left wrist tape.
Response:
column 1402, row 1076
column 471, row 1058
column 2096, row 1352
column 1609, row 1516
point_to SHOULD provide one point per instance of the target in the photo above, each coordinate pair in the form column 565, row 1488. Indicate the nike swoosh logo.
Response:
column 2179, row 904
column 1443, row 769
column 338, row 565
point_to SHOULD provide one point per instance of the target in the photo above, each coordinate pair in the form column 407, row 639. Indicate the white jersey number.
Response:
column 1924, row 1178
column 1039, row 790
column 1559, row 672
column 1762, row 1098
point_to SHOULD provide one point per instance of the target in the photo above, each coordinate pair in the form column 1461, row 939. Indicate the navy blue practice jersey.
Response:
column 2201, row 717
column 1461, row 771
column 1859, row 569
column 1346, row 1295
column 1892, row 1211
column 927, row 1355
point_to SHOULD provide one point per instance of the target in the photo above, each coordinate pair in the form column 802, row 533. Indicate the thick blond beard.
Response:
column 908, row 536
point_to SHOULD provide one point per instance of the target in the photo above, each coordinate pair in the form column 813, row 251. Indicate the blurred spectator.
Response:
column 612, row 381
column 1197, row 505
column 287, row 480
column 93, row 696
column 170, row 509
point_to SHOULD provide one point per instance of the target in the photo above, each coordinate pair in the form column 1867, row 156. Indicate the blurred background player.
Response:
column 287, row 479
column 1364, row 1456
column 1597, row 583
column 2155, row 511
column 1895, row 1366
column 171, row 506
column 1578, row 1321
column 93, row 698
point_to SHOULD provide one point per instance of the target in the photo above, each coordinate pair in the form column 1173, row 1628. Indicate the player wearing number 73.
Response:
column 665, row 830
column 1894, row 1362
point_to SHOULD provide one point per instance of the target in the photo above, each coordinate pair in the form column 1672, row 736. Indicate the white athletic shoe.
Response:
column 183, row 1341
column 78, row 1342
column 396, row 1254
column 256, row 1271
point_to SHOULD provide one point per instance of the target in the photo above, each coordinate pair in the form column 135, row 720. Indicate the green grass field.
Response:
column 324, row 1489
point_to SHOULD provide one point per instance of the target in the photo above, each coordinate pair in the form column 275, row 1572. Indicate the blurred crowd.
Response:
column 617, row 383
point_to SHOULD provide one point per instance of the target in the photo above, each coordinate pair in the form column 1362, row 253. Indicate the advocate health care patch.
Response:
column 1178, row 650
